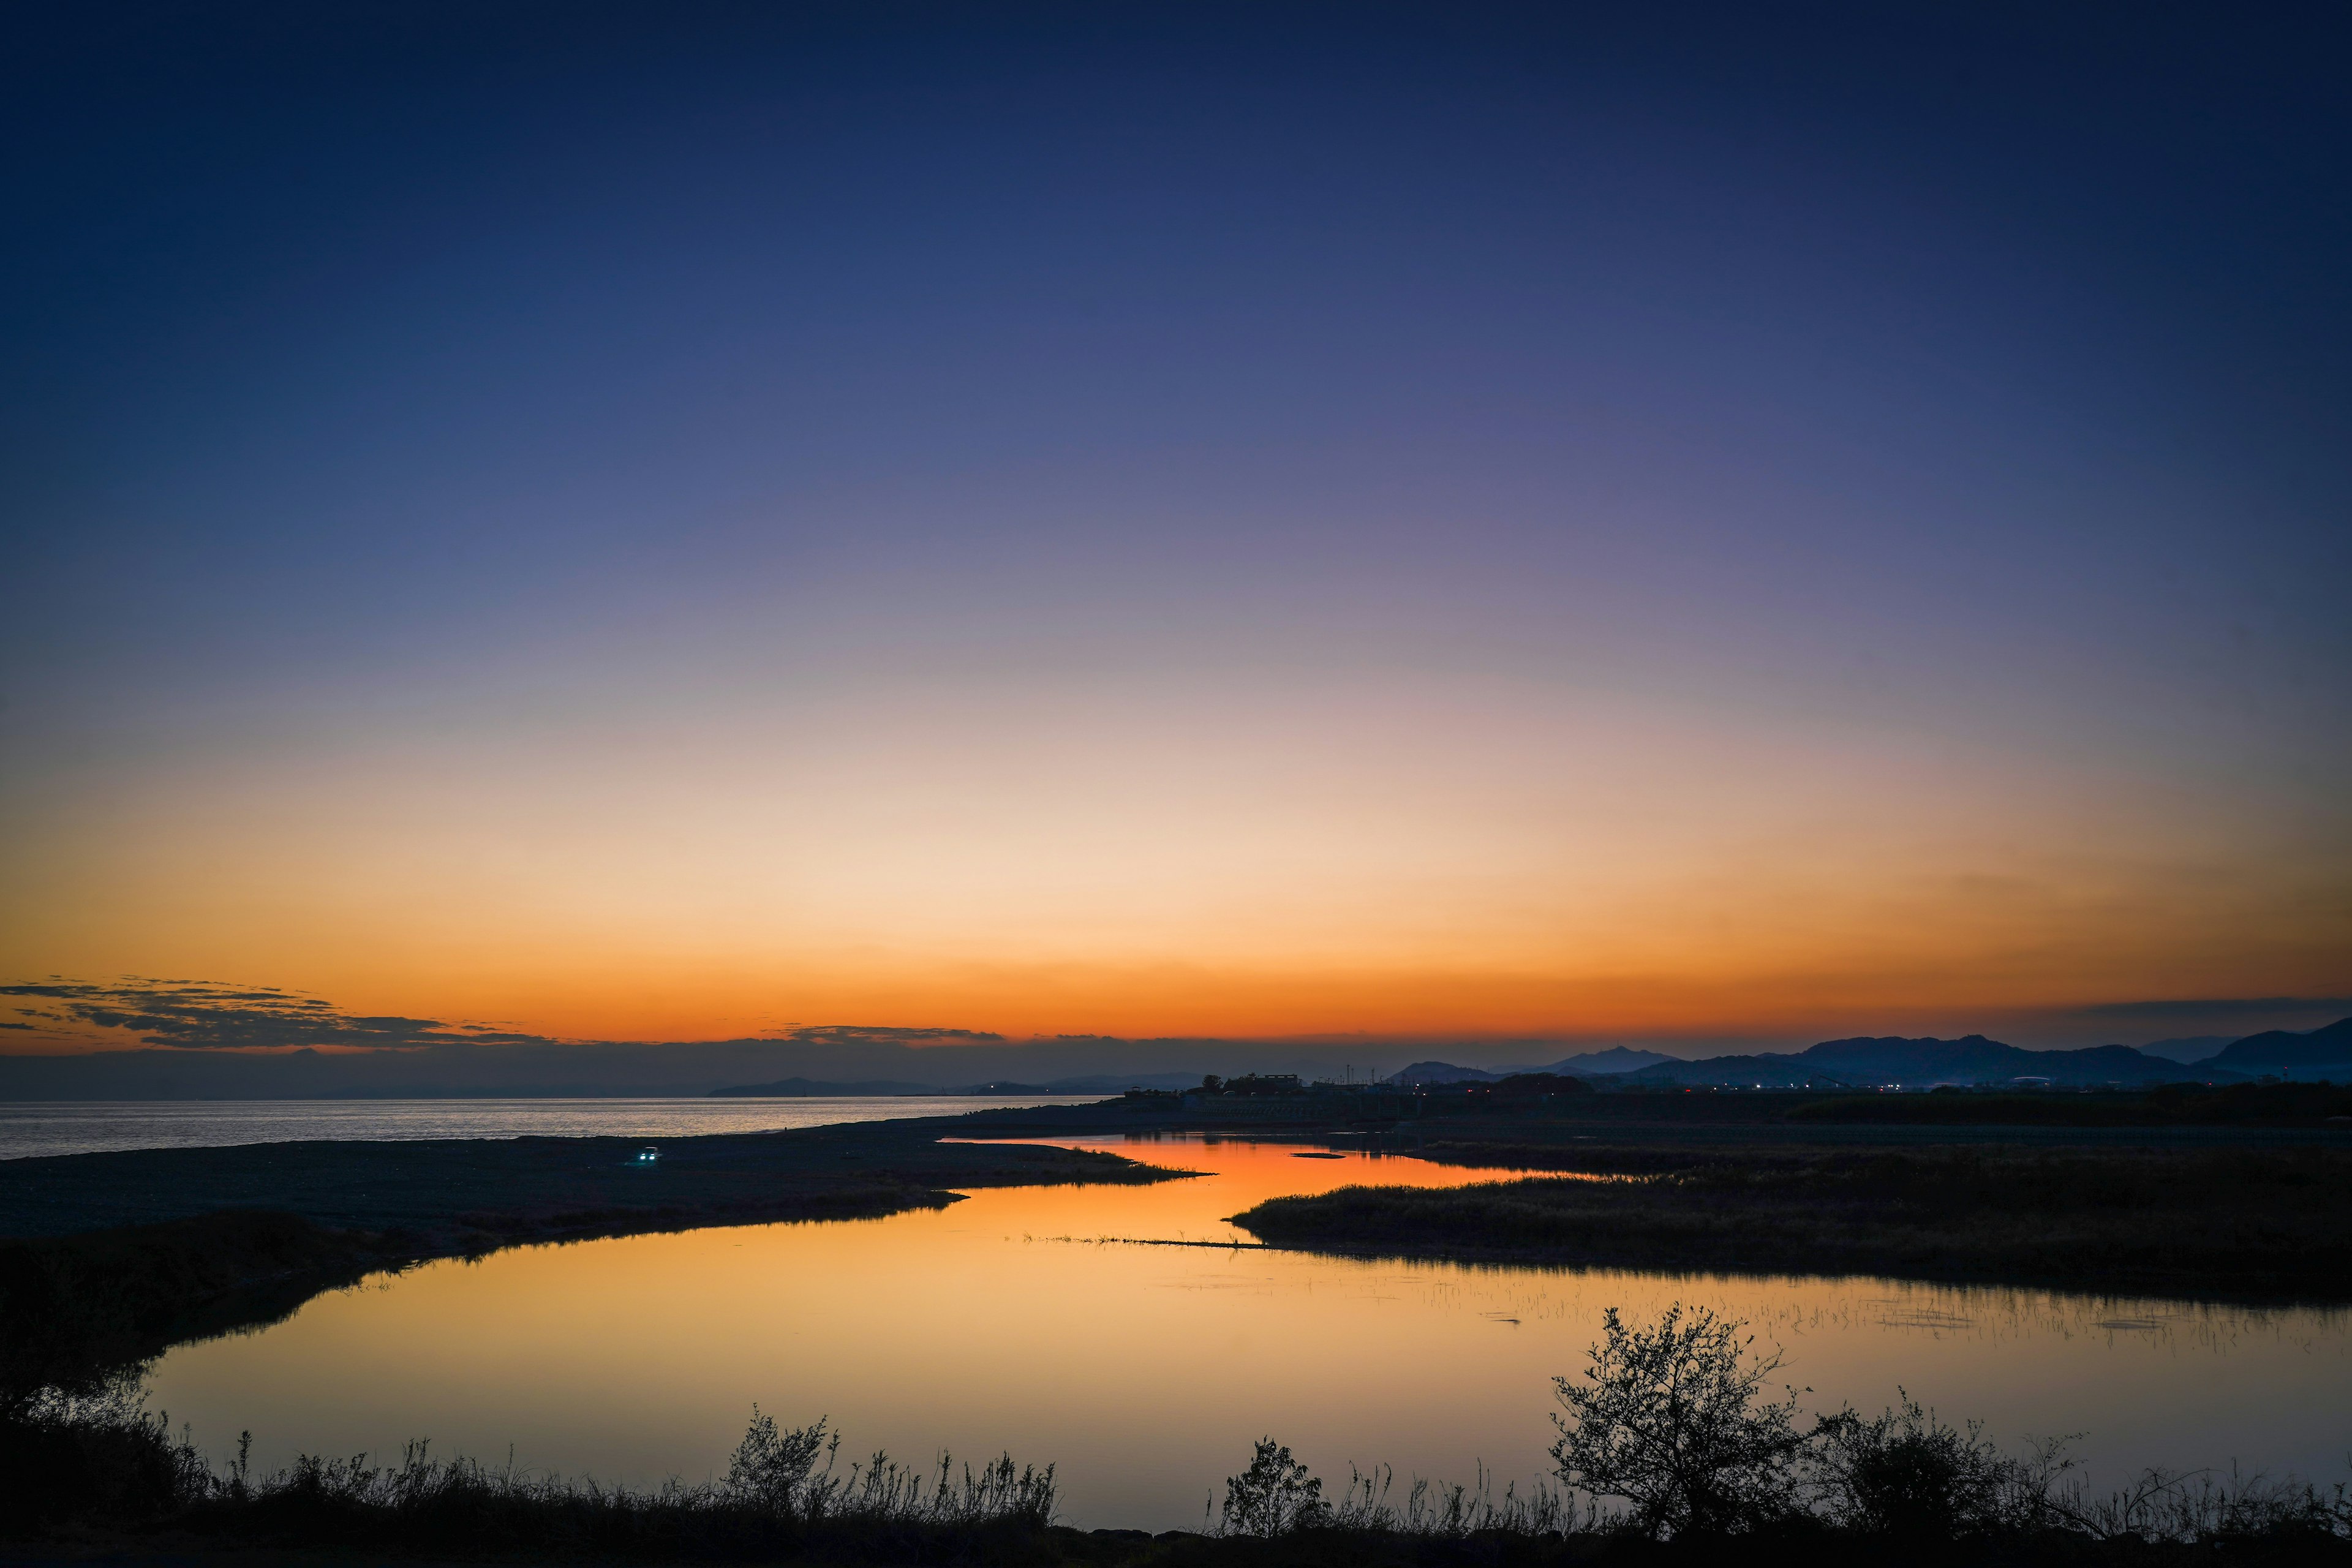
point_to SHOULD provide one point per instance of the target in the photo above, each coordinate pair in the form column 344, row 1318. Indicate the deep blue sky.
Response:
column 667, row 519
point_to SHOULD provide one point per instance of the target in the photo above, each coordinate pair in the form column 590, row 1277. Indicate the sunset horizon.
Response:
column 1175, row 785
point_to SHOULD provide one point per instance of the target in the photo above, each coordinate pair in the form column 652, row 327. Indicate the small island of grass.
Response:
column 2234, row 1224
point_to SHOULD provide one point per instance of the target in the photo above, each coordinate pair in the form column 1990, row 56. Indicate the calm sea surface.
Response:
column 1027, row 1319
column 82, row 1127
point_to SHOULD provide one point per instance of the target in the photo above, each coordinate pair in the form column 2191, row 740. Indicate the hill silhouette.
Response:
column 1438, row 1072
column 1888, row 1062
column 1601, row 1064
column 2288, row 1054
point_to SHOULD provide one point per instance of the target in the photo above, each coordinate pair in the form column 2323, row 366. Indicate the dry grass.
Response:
column 2234, row 1223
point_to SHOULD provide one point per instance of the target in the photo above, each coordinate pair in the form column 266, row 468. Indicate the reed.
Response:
column 1670, row 1450
column 84, row 1461
column 2237, row 1223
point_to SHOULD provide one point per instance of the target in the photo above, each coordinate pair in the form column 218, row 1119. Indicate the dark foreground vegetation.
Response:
column 2234, row 1223
column 1669, row 1451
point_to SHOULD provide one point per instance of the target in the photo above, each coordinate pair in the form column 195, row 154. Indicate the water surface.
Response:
column 1026, row 1318
column 29, row 1128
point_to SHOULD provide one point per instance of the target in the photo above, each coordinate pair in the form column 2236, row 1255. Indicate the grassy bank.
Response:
column 2172, row 1105
column 103, row 1481
column 75, row 1309
column 111, row 1258
column 531, row 1188
column 2226, row 1224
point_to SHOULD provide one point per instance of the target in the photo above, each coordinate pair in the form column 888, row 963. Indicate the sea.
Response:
column 30, row 1129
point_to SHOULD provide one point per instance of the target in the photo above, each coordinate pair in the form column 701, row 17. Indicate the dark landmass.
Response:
column 1887, row 1062
column 2232, row 1224
column 2187, row 1048
column 2278, row 1050
column 110, row 1259
column 2183, row 1105
column 454, row 1192
column 1600, row 1064
column 1893, row 1061
column 2173, row 1112
column 1438, row 1072
column 1585, row 1064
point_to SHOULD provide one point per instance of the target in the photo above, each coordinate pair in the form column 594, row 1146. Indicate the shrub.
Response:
column 1906, row 1473
column 775, row 1470
column 72, row 1457
column 1670, row 1418
column 1275, row 1496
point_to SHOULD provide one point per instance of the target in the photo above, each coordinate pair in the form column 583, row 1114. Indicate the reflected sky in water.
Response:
column 1027, row 1319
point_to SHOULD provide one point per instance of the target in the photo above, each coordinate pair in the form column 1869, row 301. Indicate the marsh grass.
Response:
column 2168, row 1105
column 103, row 1472
column 2227, row 1222
column 1372, row 1504
column 1670, row 1443
column 99, row 1460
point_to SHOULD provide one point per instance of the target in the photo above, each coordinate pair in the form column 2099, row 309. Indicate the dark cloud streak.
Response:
column 194, row 1014
column 874, row 1035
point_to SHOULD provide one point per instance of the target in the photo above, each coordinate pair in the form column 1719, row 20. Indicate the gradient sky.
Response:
column 669, row 521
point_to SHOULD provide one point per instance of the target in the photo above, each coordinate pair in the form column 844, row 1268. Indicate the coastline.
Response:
column 107, row 1259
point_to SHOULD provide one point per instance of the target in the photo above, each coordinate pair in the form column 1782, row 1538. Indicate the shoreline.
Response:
column 2243, row 1225
column 108, row 1259
column 137, row 1250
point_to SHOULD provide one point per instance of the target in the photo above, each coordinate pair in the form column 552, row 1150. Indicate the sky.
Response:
column 1661, row 524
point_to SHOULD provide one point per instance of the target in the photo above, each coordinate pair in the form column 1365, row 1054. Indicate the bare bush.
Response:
column 1672, row 1419
column 2200, row 1508
column 1275, row 1496
column 1906, row 1473
column 775, row 1469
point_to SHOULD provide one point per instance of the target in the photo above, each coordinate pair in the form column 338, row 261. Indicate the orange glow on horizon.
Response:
column 1621, row 872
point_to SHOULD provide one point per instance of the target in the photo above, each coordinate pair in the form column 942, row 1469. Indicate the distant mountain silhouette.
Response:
column 2292, row 1055
column 1770, row 1070
column 2189, row 1048
column 1093, row 1083
column 1599, row 1064
column 1889, row 1060
column 1120, row 1082
column 803, row 1087
column 1438, row 1072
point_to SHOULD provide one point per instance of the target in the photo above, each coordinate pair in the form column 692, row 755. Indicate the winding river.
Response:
column 1047, row 1321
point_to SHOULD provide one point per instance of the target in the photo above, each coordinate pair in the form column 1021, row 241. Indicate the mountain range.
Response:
column 1095, row 1083
column 838, row 1060
column 1615, row 1060
column 1892, row 1061
column 2325, row 1052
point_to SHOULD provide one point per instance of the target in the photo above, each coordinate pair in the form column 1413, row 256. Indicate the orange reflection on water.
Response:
column 1146, row 1372
column 1232, row 1174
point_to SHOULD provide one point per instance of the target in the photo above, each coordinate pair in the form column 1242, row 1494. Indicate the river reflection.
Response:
column 1029, row 1319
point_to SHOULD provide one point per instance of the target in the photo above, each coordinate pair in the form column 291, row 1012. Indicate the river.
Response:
column 1029, row 1319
